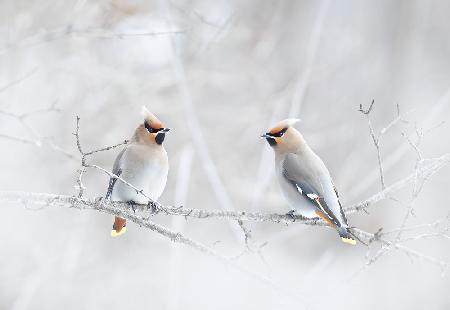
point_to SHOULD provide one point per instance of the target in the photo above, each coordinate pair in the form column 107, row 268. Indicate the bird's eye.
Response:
column 150, row 129
column 280, row 133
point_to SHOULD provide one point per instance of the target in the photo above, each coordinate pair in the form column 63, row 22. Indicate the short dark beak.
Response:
column 265, row 136
column 165, row 130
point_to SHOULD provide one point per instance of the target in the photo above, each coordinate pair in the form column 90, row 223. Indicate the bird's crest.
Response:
column 289, row 122
column 151, row 118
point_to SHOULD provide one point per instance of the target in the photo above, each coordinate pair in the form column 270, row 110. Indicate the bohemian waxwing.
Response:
column 144, row 164
column 304, row 180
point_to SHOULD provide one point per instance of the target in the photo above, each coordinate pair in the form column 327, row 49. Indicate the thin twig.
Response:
column 433, row 166
column 108, row 148
column 376, row 141
column 386, row 245
column 368, row 110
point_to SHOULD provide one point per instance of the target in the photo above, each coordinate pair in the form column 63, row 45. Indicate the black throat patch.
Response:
column 271, row 141
column 160, row 136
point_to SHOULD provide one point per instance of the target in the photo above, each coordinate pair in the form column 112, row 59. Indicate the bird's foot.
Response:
column 132, row 204
column 292, row 215
column 153, row 207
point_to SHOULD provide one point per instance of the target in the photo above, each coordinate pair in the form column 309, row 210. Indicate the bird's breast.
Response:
column 145, row 168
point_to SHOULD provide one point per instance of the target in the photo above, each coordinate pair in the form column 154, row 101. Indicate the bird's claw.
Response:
column 291, row 214
column 154, row 208
column 132, row 204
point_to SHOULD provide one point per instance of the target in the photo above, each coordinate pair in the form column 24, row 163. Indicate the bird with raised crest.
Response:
column 144, row 164
column 304, row 179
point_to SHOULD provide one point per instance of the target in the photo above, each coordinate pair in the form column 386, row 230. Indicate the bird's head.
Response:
column 152, row 130
column 282, row 135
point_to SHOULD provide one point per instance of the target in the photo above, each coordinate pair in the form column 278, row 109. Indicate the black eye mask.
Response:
column 151, row 129
column 278, row 134
column 160, row 133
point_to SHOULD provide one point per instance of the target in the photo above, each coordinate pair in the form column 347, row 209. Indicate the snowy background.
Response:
column 219, row 73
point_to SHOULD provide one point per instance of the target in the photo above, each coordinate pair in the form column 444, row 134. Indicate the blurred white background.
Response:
column 219, row 73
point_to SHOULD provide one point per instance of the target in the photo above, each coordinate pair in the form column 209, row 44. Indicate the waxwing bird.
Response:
column 304, row 179
column 144, row 164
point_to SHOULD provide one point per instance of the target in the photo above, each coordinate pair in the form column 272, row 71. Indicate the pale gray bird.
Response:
column 144, row 164
column 304, row 179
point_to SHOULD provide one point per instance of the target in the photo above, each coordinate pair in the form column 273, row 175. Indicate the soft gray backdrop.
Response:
column 219, row 73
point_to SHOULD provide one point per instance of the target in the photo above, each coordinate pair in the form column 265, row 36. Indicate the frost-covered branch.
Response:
column 431, row 167
column 423, row 170
column 376, row 137
column 387, row 245
column 123, row 210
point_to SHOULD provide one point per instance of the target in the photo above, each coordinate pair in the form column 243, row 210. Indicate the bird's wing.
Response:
column 117, row 170
column 308, row 184
column 340, row 205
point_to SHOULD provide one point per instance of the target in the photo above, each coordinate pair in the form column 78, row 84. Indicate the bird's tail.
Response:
column 346, row 235
column 119, row 227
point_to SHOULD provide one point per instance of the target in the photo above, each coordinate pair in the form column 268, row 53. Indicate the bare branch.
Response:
column 247, row 234
column 108, row 148
column 376, row 138
column 427, row 170
column 84, row 164
column 202, row 213
column 367, row 112
column 388, row 245
column 121, row 209
column 82, row 170
column 376, row 141
column 434, row 225
column 399, row 118
column 425, row 236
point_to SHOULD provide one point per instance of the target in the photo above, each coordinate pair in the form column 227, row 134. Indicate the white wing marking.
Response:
column 312, row 196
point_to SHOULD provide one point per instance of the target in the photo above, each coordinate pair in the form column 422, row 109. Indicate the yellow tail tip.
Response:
column 348, row 240
column 114, row 233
